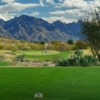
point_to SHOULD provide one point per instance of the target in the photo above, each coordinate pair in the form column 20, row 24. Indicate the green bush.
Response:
column 78, row 52
column 1, row 47
column 42, row 43
column 78, row 60
column 70, row 41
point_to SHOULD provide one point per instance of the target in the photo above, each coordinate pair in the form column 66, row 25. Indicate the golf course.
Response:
column 49, row 49
column 31, row 55
column 71, row 83
column 57, row 74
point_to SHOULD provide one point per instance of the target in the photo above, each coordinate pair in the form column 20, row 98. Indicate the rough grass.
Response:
column 5, row 64
column 55, row 83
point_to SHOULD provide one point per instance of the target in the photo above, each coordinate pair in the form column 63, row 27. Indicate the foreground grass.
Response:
column 55, row 83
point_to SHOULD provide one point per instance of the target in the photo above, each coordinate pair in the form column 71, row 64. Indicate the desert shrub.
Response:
column 1, row 57
column 23, row 47
column 20, row 58
column 36, row 46
column 10, row 47
column 62, row 47
column 13, row 48
column 56, row 43
column 81, row 45
column 21, row 41
column 88, row 60
column 78, row 52
column 77, row 59
column 1, row 47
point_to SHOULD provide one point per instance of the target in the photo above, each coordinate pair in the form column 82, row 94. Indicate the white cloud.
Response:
column 60, row 0
column 20, row 6
column 63, row 19
column 6, row 16
column 7, row 9
column 76, row 9
column 42, row 2
column 8, row 1
column 50, row 1
column 77, row 4
column 35, row 13
column 72, row 4
column 75, row 13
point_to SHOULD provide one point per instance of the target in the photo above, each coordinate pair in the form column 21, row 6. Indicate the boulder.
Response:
column 38, row 95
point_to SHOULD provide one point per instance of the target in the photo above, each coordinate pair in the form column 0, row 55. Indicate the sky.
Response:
column 50, row 10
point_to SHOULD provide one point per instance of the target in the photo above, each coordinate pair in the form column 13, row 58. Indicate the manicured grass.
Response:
column 55, row 83
column 5, row 63
column 51, row 56
column 38, row 54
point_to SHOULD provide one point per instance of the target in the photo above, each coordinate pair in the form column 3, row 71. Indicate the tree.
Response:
column 91, row 30
column 42, row 42
column 70, row 41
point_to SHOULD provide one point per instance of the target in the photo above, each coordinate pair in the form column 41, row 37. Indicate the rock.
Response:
column 38, row 95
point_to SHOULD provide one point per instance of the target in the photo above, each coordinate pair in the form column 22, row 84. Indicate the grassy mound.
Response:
column 54, row 83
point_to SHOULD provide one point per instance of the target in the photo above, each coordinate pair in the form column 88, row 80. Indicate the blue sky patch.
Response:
column 49, row 10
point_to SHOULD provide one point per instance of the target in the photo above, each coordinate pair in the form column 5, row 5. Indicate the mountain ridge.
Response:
column 29, row 28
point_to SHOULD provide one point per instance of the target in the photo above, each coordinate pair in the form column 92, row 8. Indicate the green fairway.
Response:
column 51, row 55
column 35, row 54
column 39, row 52
column 55, row 83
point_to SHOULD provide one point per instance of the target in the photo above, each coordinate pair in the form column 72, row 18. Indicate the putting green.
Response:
column 32, row 52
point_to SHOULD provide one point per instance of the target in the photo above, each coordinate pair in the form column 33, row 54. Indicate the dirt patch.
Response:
column 8, row 55
column 87, row 52
column 33, row 64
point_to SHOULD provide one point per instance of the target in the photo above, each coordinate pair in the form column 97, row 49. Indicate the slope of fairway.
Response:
column 54, row 83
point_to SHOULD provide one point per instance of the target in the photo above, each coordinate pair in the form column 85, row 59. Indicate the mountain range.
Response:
column 34, row 29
